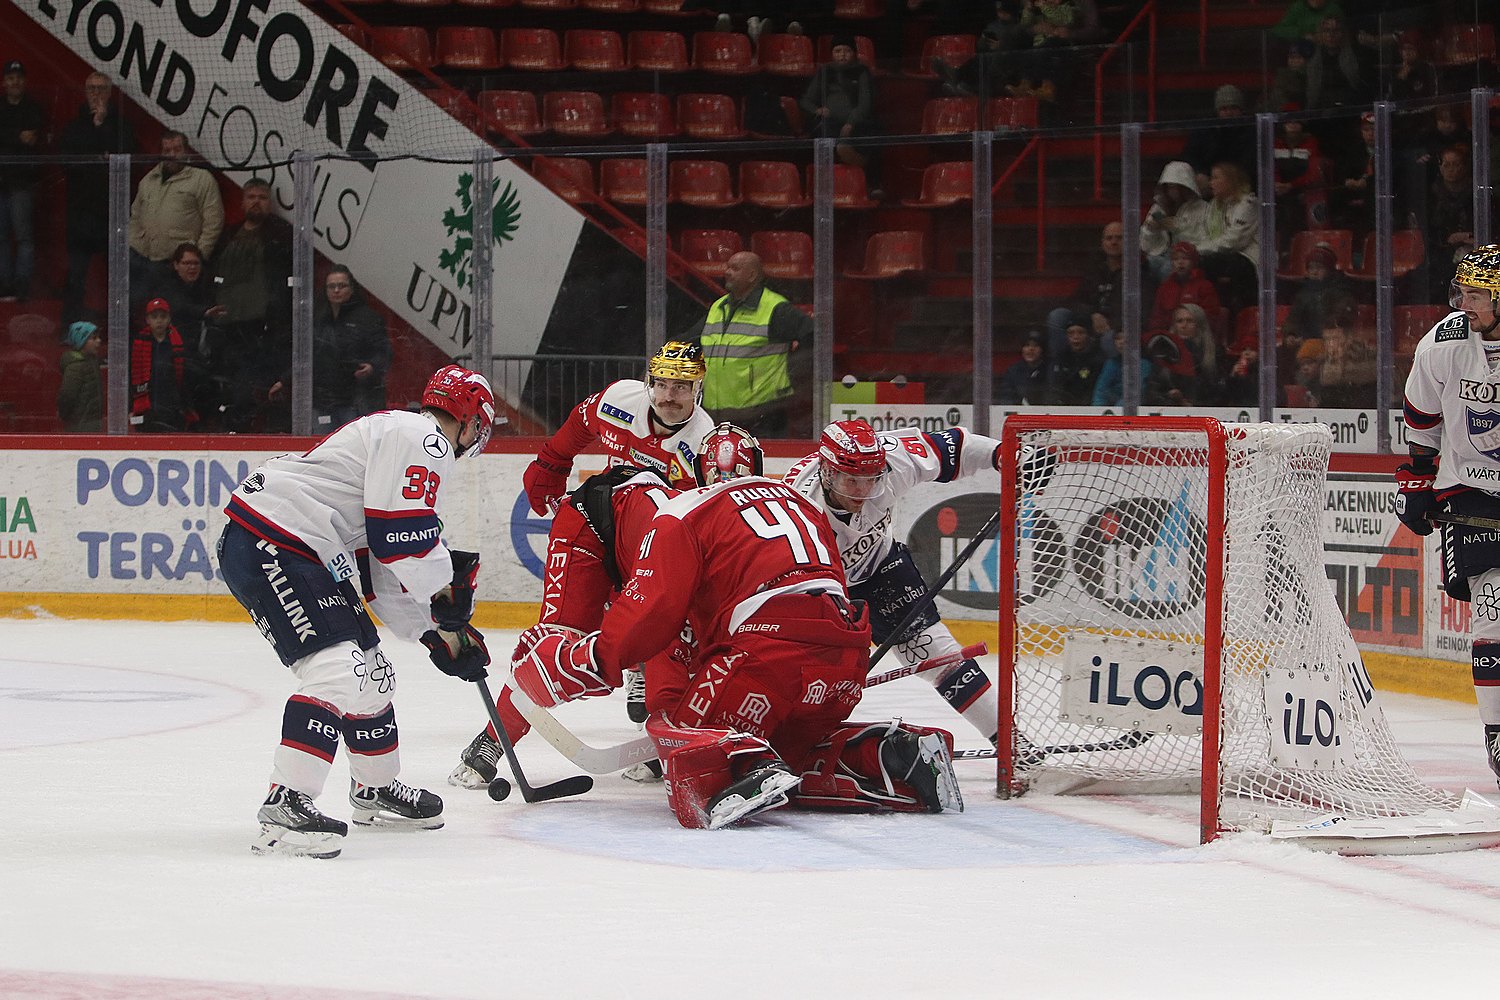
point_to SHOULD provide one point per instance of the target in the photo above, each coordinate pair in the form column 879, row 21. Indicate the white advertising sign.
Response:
column 1148, row 685
column 1307, row 730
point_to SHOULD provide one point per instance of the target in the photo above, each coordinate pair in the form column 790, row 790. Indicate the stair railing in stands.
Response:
column 1146, row 15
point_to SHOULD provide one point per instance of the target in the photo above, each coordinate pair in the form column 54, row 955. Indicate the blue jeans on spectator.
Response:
column 15, row 225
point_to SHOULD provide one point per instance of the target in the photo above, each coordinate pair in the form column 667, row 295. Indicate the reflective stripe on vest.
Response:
column 744, row 366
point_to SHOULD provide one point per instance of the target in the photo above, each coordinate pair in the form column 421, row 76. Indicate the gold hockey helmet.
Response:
column 677, row 360
column 1480, row 268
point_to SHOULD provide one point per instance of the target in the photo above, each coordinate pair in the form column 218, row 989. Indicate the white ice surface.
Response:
column 133, row 757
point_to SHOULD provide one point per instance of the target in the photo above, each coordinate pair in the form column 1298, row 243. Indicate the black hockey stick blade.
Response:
column 576, row 785
column 1035, row 754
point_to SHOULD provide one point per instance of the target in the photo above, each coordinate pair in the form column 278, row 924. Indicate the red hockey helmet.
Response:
column 466, row 397
column 852, row 459
column 728, row 452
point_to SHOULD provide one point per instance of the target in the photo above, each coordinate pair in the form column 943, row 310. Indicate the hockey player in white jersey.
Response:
column 857, row 476
column 361, row 509
column 1452, row 411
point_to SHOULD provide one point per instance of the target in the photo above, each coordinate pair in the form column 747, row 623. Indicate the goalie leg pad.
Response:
column 700, row 765
column 553, row 665
column 882, row 767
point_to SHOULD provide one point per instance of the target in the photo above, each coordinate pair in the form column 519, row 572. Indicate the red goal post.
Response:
column 1166, row 624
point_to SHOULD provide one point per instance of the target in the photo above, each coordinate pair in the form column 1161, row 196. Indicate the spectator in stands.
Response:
column 1100, row 293
column 1166, row 385
column 1444, row 128
column 1414, row 78
column 1110, row 389
column 749, row 338
column 188, row 288
column 1301, row 198
column 1306, row 386
column 161, row 374
column 1231, row 246
column 1290, row 83
column 175, row 203
column 22, row 126
column 1349, row 362
column 80, row 399
column 351, row 354
column 1352, row 199
column 1338, row 74
column 839, row 102
column 98, row 129
column 1177, row 213
column 1072, row 374
column 1201, row 361
column 1323, row 292
column 1042, row 66
column 1232, row 140
column 1303, row 18
column 1185, row 285
column 1025, row 382
column 985, row 72
column 251, row 343
column 1450, row 219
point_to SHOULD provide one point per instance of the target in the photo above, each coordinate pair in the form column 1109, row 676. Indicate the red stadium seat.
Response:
column 772, row 184
column 594, row 51
column 786, row 55
column 403, row 47
column 944, row 184
column 644, row 115
column 511, row 111
column 657, row 51
column 569, row 177
column 491, row 4
column 1466, row 44
column 550, row 4
column 455, row 103
column 1407, row 252
column 467, row 48
column 531, row 49
column 849, row 189
column 785, row 255
column 702, row 183
column 623, row 181
column 422, row 3
column 1340, row 241
column 576, row 113
column 611, row 6
column 673, row 7
column 948, row 115
column 1004, row 113
column 354, row 33
column 955, row 50
column 891, row 254
column 709, row 249
column 709, row 116
column 723, row 52
column 1247, row 328
column 858, row 9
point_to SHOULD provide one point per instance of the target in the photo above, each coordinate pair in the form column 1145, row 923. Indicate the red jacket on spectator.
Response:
column 1177, row 290
column 141, row 347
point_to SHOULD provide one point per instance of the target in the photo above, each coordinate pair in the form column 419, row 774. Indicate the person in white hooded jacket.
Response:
column 1177, row 213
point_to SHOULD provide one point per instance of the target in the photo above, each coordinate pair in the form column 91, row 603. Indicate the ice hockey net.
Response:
column 1165, row 619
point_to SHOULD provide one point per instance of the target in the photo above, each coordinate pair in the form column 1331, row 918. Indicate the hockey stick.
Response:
column 931, row 663
column 595, row 760
column 1467, row 520
column 607, row 760
column 921, row 604
column 1129, row 741
column 576, row 785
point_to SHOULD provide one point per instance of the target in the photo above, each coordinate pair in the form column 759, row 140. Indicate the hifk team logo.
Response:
column 1484, row 431
column 505, row 219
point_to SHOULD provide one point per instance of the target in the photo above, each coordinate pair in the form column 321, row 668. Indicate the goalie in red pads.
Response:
column 781, row 658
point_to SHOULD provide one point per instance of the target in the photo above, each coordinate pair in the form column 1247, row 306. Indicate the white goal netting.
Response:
column 1117, row 546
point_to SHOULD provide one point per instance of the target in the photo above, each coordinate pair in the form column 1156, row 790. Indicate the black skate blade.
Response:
column 576, row 785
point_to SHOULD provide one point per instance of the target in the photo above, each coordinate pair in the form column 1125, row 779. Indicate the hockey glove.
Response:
column 546, row 480
column 453, row 606
column 462, row 655
column 1415, row 497
column 553, row 665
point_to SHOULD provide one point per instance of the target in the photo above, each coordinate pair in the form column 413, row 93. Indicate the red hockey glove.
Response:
column 1415, row 497
column 453, row 606
column 462, row 655
column 546, row 480
column 553, row 665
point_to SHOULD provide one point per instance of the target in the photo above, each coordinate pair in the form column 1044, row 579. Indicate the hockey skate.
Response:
column 1492, row 749
column 396, row 805
column 478, row 764
column 290, row 824
column 924, row 763
column 635, row 695
column 647, row 772
column 764, row 788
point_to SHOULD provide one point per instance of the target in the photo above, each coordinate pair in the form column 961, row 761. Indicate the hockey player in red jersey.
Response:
column 779, row 664
column 657, row 424
column 362, row 508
